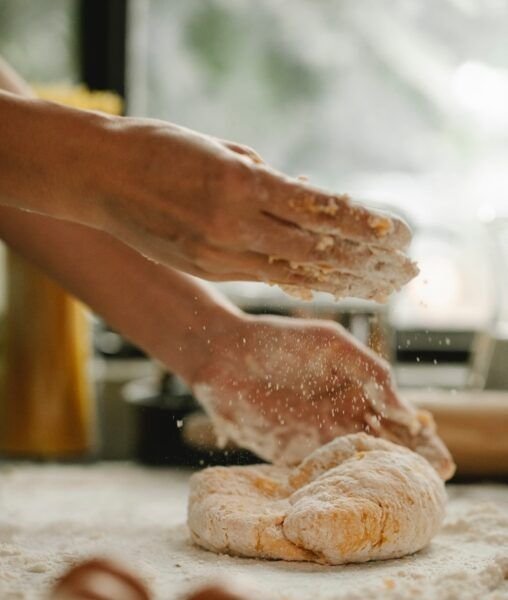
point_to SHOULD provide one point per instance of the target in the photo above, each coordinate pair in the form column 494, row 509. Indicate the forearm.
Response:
column 170, row 315
column 42, row 144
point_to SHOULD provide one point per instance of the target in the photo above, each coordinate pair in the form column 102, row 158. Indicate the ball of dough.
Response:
column 355, row 499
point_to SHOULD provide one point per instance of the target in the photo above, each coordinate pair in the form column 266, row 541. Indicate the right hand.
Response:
column 213, row 209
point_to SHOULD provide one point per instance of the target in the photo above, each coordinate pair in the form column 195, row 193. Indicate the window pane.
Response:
column 346, row 92
column 39, row 38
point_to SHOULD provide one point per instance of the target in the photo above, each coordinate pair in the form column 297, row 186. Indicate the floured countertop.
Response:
column 51, row 516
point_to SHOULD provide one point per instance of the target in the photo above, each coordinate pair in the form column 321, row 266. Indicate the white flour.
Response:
column 50, row 516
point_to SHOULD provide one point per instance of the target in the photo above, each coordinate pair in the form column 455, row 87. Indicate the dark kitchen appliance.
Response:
column 164, row 416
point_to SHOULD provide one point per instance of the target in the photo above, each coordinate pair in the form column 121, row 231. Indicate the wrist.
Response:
column 203, row 338
column 127, row 180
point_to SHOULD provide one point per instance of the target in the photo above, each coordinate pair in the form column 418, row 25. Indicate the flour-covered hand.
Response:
column 283, row 387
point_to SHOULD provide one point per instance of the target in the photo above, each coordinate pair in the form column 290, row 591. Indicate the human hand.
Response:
column 282, row 387
column 213, row 209
column 205, row 206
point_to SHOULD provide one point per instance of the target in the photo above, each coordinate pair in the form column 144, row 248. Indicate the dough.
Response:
column 355, row 499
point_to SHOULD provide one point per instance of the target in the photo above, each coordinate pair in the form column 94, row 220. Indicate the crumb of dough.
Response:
column 309, row 204
column 382, row 226
column 370, row 273
column 295, row 291
column 325, row 242
column 318, row 271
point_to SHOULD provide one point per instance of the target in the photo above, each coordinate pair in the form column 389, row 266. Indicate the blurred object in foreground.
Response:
column 102, row 579
column 46, row 405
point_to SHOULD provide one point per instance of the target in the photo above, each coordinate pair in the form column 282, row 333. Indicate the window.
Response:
column 39, row 38
column 402, row 101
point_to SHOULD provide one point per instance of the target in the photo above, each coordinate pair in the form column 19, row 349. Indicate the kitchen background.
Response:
column 401, row 103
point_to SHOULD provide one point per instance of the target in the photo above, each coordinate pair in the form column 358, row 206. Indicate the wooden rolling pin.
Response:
column 474, row 426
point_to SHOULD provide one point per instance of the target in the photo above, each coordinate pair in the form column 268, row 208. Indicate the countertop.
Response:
column 53, row 515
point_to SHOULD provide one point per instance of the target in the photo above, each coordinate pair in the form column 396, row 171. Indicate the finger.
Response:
column 285, row 241
column 425, row 442
column 430, row 446
column 317, row 210
column 244, row 151
column 219, row 264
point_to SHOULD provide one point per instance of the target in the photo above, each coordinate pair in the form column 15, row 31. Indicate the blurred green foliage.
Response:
column 38, row 37
column 212, row 36
column 287, row 78
column 216, row 36
column 331, row 89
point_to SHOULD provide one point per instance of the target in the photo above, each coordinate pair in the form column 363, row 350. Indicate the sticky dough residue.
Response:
column 368, row 279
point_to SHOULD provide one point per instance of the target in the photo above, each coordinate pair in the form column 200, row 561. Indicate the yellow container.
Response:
column 46, row 405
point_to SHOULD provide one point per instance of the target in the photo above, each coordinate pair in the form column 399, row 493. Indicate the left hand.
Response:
column 282, row 387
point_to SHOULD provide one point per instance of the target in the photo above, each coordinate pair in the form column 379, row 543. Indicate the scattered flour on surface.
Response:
column 52, row 516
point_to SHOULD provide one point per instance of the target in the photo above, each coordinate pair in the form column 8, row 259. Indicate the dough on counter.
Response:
column 356, row 499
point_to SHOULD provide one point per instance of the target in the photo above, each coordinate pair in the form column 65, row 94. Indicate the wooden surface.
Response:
column 474, row 426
